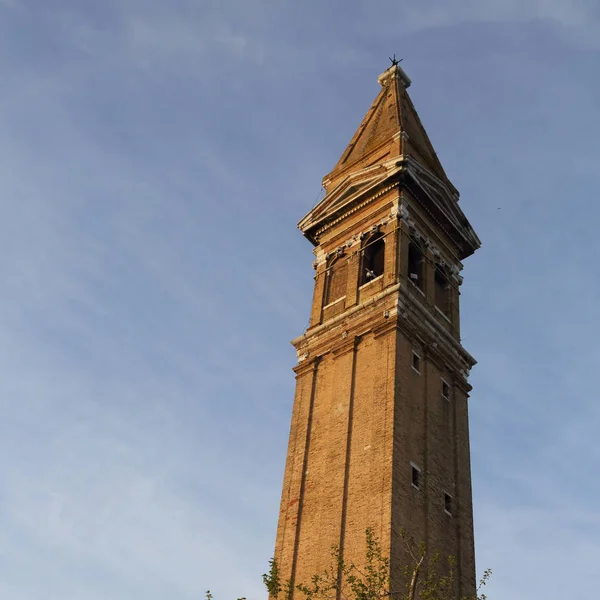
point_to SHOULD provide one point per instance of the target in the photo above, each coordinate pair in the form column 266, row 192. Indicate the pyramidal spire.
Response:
column 390, row 128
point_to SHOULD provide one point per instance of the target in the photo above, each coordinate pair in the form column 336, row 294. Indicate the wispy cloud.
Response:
column 580, row 14
column 170, row 38
column 155, row 162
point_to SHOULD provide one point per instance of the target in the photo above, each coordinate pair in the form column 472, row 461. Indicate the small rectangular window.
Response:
column 445, row 390
column 416, row 362
column 415, row 475
column 448, row 503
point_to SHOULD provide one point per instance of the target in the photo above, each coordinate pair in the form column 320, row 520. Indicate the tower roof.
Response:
column 391, row 147
column 390, row 128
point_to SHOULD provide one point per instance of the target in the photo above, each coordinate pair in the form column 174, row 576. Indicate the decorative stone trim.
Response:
column 302, row 356
column 358, row 207
column 371, row 231
column 420, row 174
column 435, row 251
column 321, row 257
column 306, row 366
column 336, row 301
column 339, row 251
column 353, row 241
column 400, row 210
column 408, row 307
column 394, row 72
column 455, row 273
column 356, row 239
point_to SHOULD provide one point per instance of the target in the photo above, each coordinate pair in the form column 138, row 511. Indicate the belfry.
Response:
column 379, row 435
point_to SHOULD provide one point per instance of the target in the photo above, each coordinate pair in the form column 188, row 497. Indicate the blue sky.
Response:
column 156, row 157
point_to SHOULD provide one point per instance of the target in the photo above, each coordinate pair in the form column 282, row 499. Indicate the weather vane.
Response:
column 395, row 61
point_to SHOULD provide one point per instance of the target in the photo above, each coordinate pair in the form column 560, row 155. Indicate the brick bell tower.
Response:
column 380, row 435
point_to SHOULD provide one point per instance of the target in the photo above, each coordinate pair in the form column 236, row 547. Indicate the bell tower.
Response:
column 379, row 435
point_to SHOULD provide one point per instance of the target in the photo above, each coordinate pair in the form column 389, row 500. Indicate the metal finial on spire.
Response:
column 394, row 72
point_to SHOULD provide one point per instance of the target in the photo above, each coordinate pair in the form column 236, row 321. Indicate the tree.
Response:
column 371, row 581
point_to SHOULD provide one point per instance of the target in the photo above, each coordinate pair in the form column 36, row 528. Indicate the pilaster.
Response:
column 353, row 274
column 319, row 293
column 391, row 253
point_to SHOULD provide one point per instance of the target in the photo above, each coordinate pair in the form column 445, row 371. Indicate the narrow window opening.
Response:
column 337, row 280
column 415, row 265
column 373, row 256
column 448, row 503
column 445, row 390
column 416, row 362
column 442, row 292
column 415, row 476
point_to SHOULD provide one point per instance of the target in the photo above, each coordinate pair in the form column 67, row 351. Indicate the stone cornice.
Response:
column 410, row 306
column 345, row 315
column 306, row 366
column 353, row 241
column 334, row 208
column 440, row 257
column 408, row 312
column 354, row 209
column 445, row 202
column 399, row 172
column 350, row 344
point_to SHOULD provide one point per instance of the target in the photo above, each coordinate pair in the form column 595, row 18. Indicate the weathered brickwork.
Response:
column 382, row 377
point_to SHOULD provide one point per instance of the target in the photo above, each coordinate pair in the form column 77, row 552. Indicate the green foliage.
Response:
column 366, row 583
column 427, row 577
column 272, row 581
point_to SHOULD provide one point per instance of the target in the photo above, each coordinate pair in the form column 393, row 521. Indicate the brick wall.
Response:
column 362, row 415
